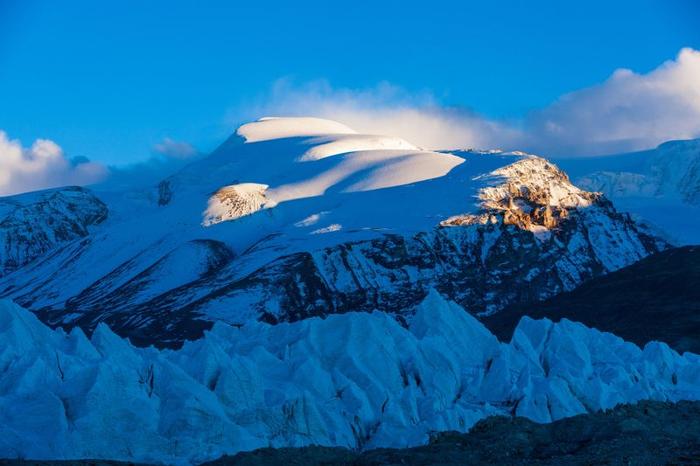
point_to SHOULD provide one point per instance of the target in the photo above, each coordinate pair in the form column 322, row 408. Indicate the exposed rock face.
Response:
column 165, row 192
column 532, row 194
column 235, row 201
column 33, row 224
column 112, row 298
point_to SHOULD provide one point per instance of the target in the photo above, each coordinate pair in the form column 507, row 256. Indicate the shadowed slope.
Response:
column 657, row 298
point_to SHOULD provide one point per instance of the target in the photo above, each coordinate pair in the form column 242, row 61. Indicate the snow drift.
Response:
column 358, row 380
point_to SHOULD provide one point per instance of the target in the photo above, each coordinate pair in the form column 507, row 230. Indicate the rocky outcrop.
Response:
column 235, row 201
column 532, row 194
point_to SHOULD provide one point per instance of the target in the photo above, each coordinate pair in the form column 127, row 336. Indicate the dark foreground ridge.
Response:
column 657, row 298
column 648, row 433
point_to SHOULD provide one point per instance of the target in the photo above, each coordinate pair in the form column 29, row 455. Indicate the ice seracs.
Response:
column 359, row 380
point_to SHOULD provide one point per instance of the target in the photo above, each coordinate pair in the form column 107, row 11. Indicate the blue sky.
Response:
column 110, row 80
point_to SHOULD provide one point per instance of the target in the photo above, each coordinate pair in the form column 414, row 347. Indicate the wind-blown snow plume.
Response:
column 629, row 111
column 43, row 165
column 387, row 109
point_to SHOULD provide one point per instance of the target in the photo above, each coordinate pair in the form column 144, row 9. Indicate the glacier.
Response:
column 358, row 380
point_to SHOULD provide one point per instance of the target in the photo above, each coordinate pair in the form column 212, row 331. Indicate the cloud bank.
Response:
column 43, row 165
column 627, row 112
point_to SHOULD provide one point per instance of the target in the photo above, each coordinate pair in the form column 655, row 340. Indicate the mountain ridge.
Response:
column 312, row 224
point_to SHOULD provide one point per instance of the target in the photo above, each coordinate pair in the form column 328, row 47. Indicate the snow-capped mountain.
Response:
column 662, row 185
column 34, row 224
column 359, row 380
column 671, row 170
column 293, row 218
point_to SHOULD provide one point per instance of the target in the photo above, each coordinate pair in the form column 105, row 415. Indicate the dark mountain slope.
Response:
column 657, row 298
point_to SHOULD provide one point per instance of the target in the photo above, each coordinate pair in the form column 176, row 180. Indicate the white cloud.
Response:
column 627, row 112
column 175, row 149
column 43, row 165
